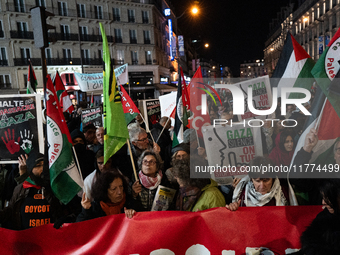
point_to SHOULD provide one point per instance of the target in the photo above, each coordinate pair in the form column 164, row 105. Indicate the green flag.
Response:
column 326, row 69
column 115, row 128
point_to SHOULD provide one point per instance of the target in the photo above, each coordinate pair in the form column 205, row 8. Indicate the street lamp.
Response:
column 206, row 45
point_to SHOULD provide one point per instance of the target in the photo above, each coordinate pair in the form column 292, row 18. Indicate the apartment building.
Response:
column 137, row 32
column 312, row 22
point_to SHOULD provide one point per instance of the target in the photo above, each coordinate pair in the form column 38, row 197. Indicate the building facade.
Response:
column 252, row 69
column 137, row 32
column 313, row 23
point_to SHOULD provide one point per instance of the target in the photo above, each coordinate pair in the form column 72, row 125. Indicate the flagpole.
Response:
column 163, row 130
column 198, row 140
column 147, row 128
column 79, row 170
column 132, row 161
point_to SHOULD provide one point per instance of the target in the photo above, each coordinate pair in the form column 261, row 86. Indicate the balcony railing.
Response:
column 2, row 34
column 21, row 34
column 116, row 18
column 147, row 41
column 56, row 11
column 118, row 40
column 133, row 40
column 131, row 19
column 148, row 62
column 58, row 61
column 3, row 62
column 135, row 62
column 5, row 85
column 83, row 37
column 145, row 20
column 120, row 62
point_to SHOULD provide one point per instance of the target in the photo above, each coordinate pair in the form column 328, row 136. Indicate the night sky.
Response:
column 236, row 30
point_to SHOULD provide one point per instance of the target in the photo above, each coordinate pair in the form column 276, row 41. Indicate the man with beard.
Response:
column 33, row 203
column 85, row 156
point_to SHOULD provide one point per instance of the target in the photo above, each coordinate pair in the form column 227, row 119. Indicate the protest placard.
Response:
column 262, row 96
column 20, row 126
column 94, row 81
column 151, row 111
column 229, row 148
column 163, row 198
column 92, row 115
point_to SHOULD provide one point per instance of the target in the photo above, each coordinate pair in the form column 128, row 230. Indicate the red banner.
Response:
column 215, row 230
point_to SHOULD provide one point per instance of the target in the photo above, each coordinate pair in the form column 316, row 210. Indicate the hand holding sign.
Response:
column 12, row 145
column 26, row 141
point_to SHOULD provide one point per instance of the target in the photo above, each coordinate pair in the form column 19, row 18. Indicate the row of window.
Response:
column 25, row 54
column 97, row 11
column 22, row 32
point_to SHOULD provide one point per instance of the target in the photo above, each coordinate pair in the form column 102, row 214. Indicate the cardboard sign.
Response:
column 229, row 148
column 94, row 81
column 262, row 96
column 20, row 126
column 92, row 115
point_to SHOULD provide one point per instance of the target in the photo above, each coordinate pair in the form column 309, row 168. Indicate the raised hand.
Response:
column 85, row 202
column 136, row 188
column 22, row 164
column 26, row 141
column 11, row 145
column 311, row 140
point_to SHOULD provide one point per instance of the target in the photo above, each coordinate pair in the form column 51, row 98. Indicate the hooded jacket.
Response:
column 211, row 197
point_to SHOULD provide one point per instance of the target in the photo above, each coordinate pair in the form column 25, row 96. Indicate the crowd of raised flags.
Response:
column 119, row 109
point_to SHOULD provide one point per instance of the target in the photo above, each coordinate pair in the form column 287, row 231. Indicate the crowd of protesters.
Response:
column 112, row 188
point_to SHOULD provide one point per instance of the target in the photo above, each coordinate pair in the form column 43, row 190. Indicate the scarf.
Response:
column 113, row 208
column 187, row 198
column 150, row 182
column 254, row 198
column 27, row 185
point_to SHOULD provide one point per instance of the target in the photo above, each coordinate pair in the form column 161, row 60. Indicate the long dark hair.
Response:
column 283, row 136
column 102, row 184
column 330, row 190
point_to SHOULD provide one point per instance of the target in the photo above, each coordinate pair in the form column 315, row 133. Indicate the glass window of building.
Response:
column 81, row 11
column 116, row 14
column 62, row 8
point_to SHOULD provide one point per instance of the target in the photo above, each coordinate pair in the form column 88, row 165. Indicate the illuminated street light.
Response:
column 206, row 45
column 305, row 19
column 194, row 10
column 271, row 49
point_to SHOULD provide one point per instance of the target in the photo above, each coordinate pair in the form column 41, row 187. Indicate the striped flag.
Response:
column 64, row 175
column 129, row 107
column 178, row 129
column 63, row 97
column 326, row 70
column 31, row 80
column 293, row 68
column 115, row 129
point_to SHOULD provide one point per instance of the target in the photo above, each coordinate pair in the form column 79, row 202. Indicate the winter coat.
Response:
column 322, row 236
column 211, row 197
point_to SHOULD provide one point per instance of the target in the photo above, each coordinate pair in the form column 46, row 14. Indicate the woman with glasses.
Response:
column 150, row 177
column 110, row 197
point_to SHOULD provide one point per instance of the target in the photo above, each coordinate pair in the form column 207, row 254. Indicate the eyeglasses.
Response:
column 150, row 162
column 143, row 140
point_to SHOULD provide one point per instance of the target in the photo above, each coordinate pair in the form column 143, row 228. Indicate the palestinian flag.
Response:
column 293, row 68
column 129, row 107
column 64, row 175
column 116, row 133
column 196, row 90
column 178, row 129
column 326, row 70
column 63, row 97
column 31, row 81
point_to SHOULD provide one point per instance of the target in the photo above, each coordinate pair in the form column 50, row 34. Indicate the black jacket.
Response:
column 96, row 210
column 322, row 236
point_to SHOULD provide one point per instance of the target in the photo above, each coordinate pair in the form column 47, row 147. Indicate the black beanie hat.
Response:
column 181, row 147
column 76, row 134
column 34, row 157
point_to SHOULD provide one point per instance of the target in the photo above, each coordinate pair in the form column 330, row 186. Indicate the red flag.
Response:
column 198, row 120
column 64, row 99
column 129, row 107
column 185, row 94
